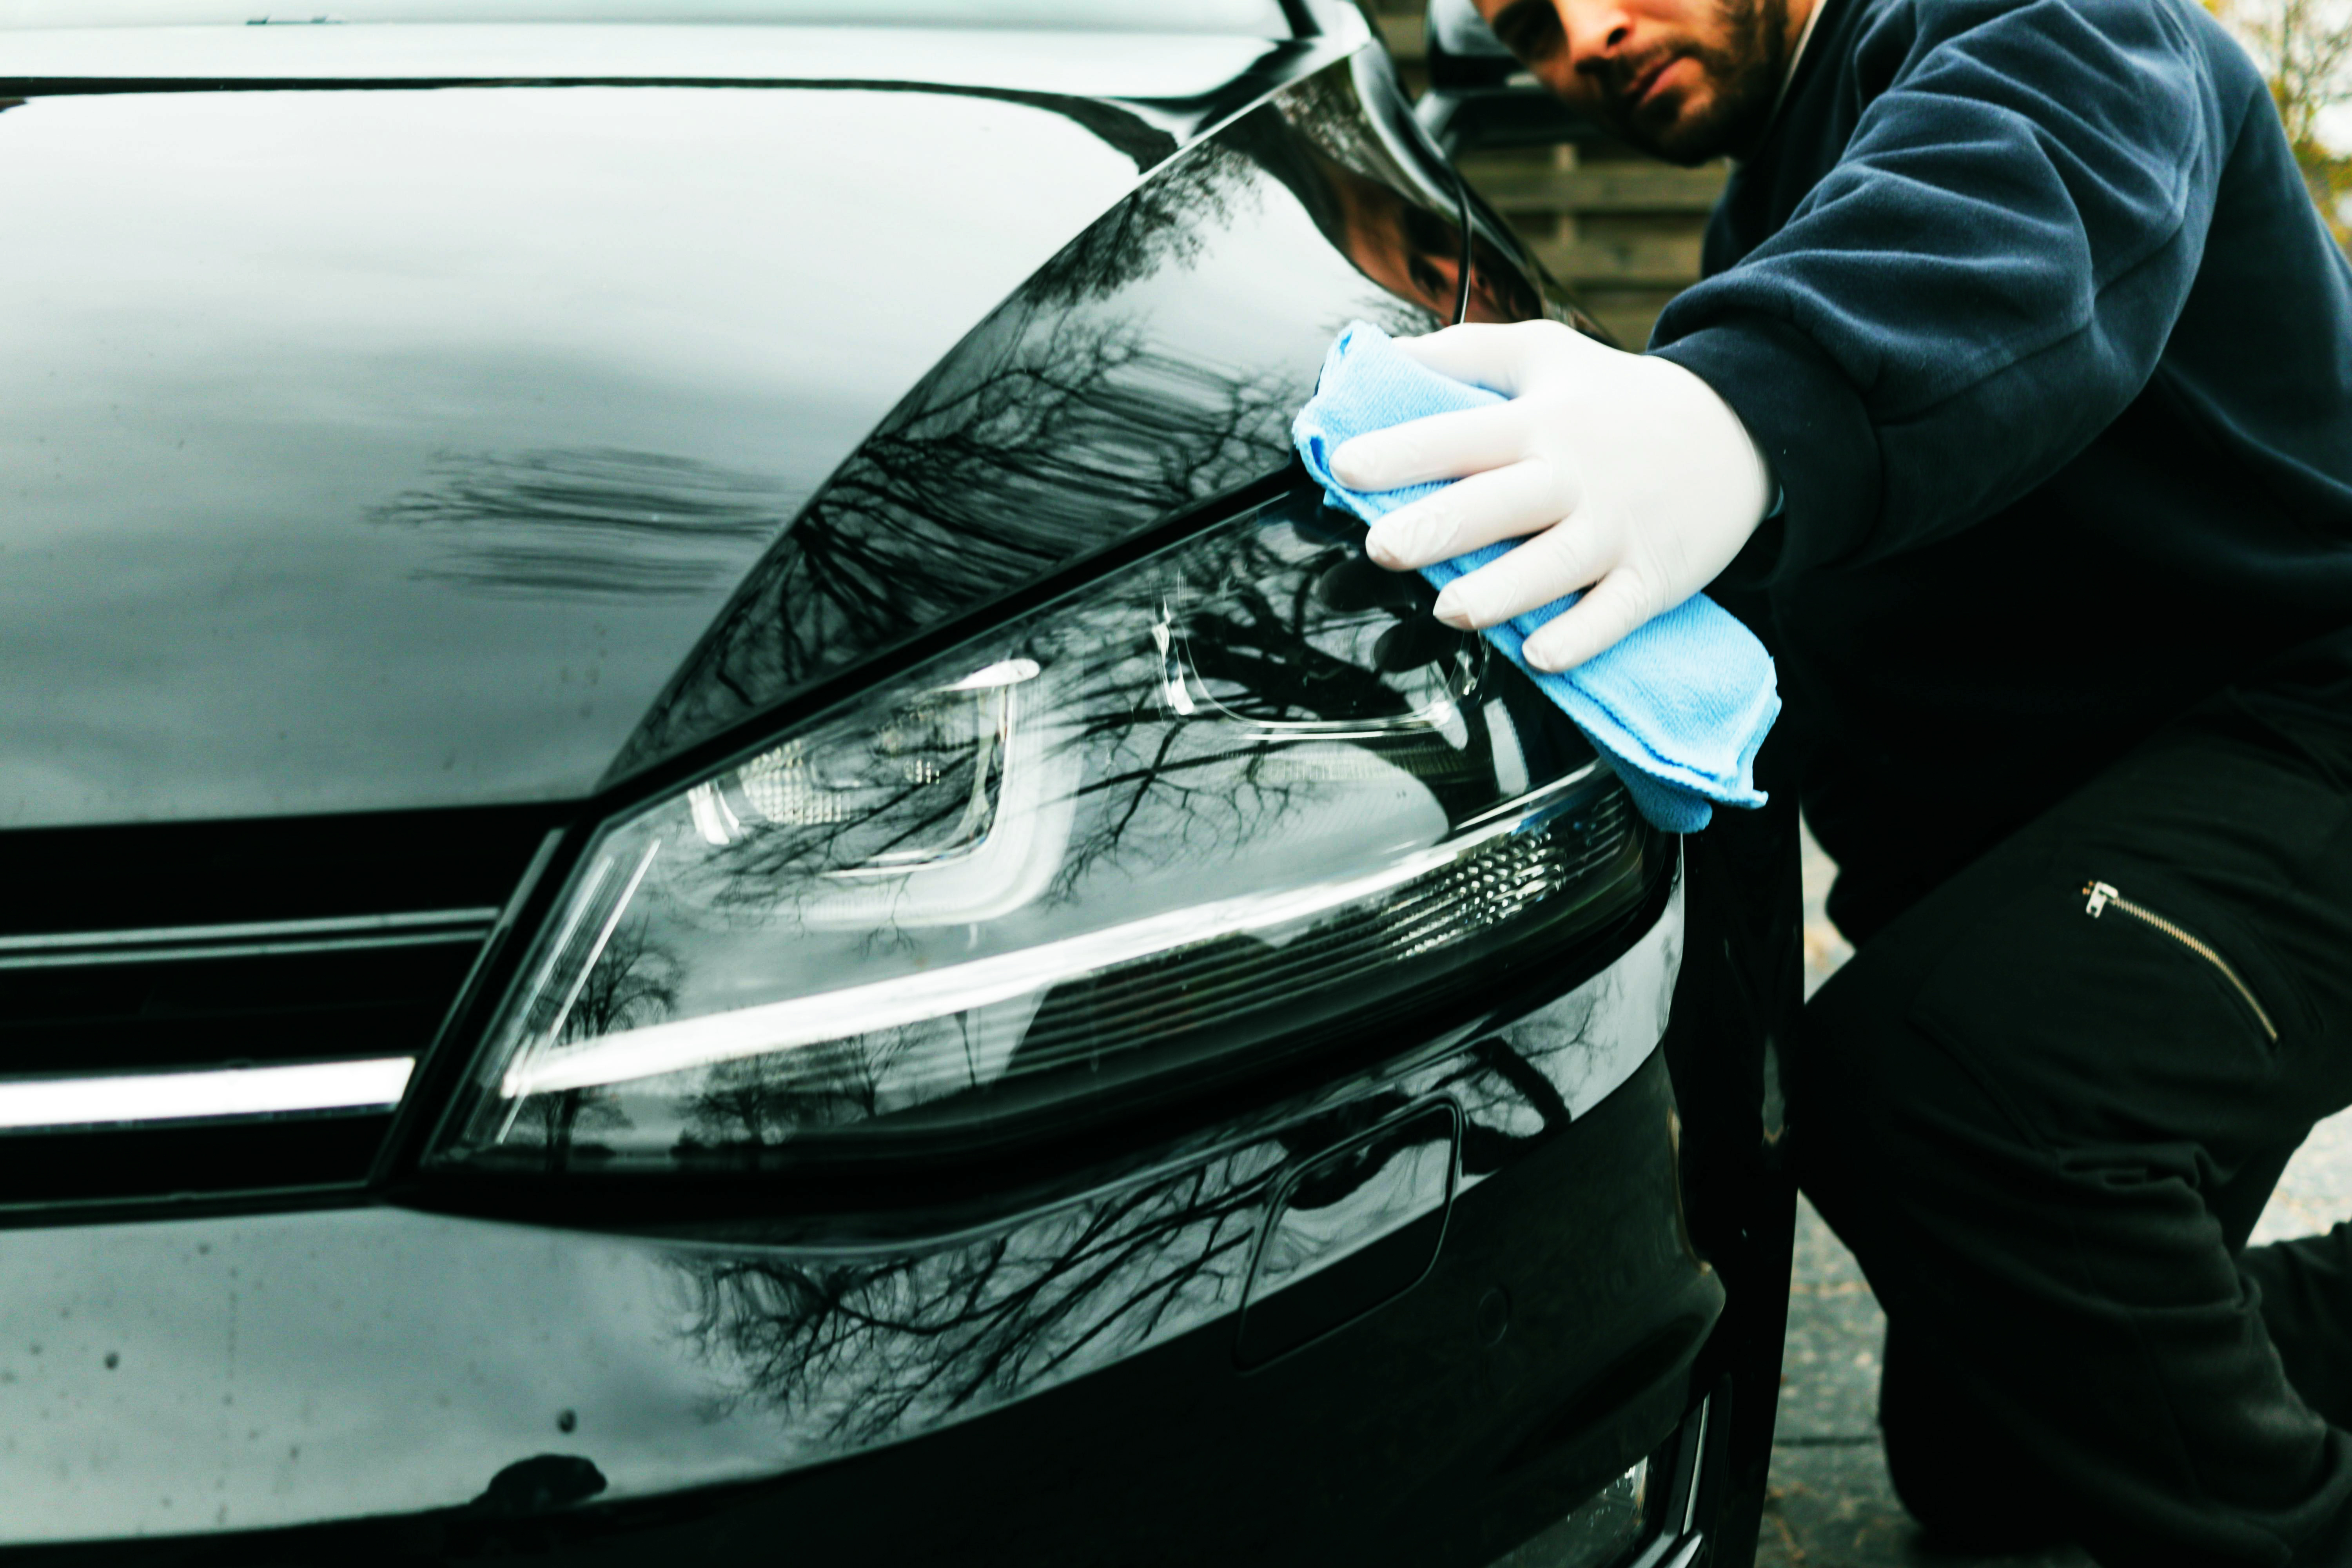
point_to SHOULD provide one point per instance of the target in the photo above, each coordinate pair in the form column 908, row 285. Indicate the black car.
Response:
column 710, row 855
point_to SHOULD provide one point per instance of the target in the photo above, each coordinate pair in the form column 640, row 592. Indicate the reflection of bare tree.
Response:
column 1329, row 115
column 1052, row 422
column 1166, row 222
column 861, row 1349
column 633, row 983
column 1058, row 425
column 853, row 1352
column 595, row 522
column 1318, row 141
column 1061, row 424
column 1254, row 620
column 1047, row 433
column 563, row 1125
column 1251, row 635
column 745, row 1106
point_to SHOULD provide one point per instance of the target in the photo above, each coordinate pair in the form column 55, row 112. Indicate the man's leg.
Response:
column 2044, row 1132
column 2306, row 1297
column 1951, row 1465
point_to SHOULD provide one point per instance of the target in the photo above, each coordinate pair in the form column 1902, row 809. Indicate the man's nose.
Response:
column 1597, row 30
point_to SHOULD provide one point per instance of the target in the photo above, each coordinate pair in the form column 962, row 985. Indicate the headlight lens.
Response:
column 1242, row 800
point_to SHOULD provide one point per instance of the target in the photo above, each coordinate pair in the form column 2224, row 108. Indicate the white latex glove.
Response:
column 1637, row 481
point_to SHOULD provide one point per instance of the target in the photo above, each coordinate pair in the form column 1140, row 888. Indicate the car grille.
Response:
column 199, row 1011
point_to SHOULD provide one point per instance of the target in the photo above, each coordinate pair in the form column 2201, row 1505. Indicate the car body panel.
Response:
column 1153, row 365
column 388, row 447
column 253, row 1371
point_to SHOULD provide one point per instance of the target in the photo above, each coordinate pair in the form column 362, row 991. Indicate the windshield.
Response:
column 1253, row 18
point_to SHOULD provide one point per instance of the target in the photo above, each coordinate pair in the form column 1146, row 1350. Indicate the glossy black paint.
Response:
column 1735, row 1008
column 1152, row 365
column 401, row 469
column 393, row 1362
column 1393, row 1187
column 740, row 1387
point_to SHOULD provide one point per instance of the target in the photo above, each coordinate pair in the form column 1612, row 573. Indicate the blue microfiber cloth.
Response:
column 1679, row 708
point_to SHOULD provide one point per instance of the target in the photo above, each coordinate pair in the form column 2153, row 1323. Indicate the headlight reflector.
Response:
column 1241, row 800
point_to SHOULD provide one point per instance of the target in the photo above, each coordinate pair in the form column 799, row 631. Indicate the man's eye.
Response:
column 1528, row 28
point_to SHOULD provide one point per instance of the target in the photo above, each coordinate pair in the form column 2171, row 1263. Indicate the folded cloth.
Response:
column 1679, row 708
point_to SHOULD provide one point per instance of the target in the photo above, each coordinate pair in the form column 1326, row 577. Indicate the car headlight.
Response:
column 1240, row 800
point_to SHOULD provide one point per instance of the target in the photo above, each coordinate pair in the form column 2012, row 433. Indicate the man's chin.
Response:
column 1678, row 133
column 1687, row 132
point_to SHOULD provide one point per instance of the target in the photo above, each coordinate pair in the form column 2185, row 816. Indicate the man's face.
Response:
column 1415, row 254
column 1686, row 80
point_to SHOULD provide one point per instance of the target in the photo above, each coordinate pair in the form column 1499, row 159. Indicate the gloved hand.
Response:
column 1637, row 481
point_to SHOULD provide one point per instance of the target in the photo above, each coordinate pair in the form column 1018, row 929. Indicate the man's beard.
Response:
column 1745, row 73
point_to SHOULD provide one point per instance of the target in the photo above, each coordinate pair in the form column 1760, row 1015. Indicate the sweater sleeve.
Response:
column 1982, row 281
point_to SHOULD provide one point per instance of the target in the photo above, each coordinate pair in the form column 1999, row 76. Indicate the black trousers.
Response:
column 2046, row 1106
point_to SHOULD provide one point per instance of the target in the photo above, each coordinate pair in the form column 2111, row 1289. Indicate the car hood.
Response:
column 390, row 444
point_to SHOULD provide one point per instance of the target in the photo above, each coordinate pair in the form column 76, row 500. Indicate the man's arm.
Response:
column 1978, row 287
column 1984, row 280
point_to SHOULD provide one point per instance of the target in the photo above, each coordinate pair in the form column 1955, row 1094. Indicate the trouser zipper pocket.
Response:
column 2102, row 896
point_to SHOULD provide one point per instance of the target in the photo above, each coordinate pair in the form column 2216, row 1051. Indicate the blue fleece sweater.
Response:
column 2029, row 307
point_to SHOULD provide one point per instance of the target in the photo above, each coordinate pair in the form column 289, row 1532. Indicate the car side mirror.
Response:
column 1479, row 96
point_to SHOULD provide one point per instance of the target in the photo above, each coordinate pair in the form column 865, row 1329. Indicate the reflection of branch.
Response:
column 863, row 1349
column 1057, row 425
column 1261, row 637
column 1515, row 1092
column 1009, row 467
column 855, row 1352
column 743, row 1107
column 1167, row 221
column 595, row 522
column 1526, row 1079
column 1062, row 422
column 633, row 983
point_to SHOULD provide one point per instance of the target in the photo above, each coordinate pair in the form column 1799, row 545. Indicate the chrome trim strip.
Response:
column 136, row 1099
column 1699, row 1469
column 163, row 944
column 92, row 959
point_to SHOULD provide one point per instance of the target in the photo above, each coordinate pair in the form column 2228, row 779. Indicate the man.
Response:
column 2021, row 385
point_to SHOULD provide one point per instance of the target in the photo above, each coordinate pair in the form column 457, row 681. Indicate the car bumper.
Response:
column 1417, row 1319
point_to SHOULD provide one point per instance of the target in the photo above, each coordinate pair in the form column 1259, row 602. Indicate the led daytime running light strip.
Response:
column 42, row 1104
column 715, row 1037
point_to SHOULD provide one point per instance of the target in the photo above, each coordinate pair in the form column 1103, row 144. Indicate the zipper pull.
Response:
column 2098, row 893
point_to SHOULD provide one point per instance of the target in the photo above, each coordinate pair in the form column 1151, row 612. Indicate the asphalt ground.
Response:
column 1830, row 1505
